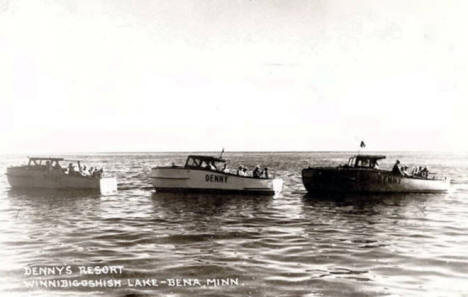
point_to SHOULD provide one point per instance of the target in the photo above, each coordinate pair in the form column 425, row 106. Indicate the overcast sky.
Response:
column 121, row 75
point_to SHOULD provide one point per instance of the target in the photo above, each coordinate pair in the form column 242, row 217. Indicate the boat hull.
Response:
column 55, row 179
column 179, row 179
column 360, row 180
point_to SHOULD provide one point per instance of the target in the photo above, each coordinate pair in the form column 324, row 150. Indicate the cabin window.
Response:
column 191, row 162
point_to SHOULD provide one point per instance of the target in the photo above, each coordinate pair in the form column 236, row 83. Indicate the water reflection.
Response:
column 291, row 244
column 370, row 202
column 198, row 205
column 42, row 204
column 51, row 194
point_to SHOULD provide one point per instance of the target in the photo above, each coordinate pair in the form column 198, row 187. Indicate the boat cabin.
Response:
column 365, row 161
column 204, row 162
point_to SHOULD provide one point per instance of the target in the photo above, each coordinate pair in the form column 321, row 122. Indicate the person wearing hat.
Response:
column 71, row 169
column 396, row 168
column 265, row 171
column 256, row 171
column 240, row 171
column 225, row 169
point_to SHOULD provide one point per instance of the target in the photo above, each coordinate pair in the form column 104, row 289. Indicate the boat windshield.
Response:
column 205, row 162
column 365, row 161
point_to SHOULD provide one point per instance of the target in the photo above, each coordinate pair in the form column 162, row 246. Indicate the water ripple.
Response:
column 293, row 244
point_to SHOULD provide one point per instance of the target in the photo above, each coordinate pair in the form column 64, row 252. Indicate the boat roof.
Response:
column 206, row 158
column 52, row 159
column 370, row 157
column 45, row 158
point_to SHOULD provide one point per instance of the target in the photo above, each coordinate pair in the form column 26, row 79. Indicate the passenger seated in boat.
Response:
column 396, row 168
column 256, row 172
column 416, row 171
column 424, row 172
column 405, row 171
column 265, row 171
column 98, row 173
column 242, row 171
column 208, row 165
column 376, row 165
column 83, row 171
column 71, row 169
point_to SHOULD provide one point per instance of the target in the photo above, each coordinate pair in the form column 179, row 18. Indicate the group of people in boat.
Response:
column 403, row 170
column 242, row 171
column 83, row 171
column 257, row 172
column 70, row 170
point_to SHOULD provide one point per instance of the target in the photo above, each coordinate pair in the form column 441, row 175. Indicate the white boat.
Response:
column 362, row 175
column 204, row 174
column 47, row 173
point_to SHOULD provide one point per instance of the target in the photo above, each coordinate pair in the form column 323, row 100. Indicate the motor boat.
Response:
column 362, row 175
column 210, row 174
column 48, row 173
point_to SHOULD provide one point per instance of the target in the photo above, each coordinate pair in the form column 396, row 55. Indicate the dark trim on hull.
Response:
column 344, row 191
column 215, row 191
column 20, row 187
column 176, row 178
column 357, row 181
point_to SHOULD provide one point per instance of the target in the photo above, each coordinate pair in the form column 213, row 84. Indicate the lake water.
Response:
column 291, row 244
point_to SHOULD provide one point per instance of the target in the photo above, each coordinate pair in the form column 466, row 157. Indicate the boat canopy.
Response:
column 202, row 161
column 50, row 160
column 37, row 161
column 365, row 161
column 45, row 159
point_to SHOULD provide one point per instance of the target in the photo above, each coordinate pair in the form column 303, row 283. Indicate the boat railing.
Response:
column 57, row 169
column 231, row 172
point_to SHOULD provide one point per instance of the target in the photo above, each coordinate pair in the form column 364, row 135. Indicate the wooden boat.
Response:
column 362, row 175
column 204, row 174
column 47, row 173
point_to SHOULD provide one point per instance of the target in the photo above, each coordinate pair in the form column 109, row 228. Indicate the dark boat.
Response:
column 362, row 175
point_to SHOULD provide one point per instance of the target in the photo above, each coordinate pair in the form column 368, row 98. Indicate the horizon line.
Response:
column 233, row 151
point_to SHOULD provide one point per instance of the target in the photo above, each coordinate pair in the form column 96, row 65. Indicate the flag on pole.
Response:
column 363, row 145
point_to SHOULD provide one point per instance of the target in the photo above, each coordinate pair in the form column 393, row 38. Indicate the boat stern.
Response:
column 108, row 185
